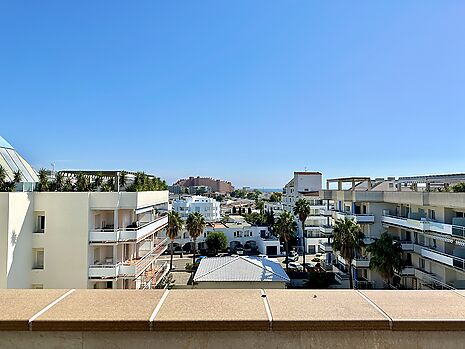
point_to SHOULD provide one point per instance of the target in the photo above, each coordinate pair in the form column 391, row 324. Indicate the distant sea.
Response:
column 270, row 190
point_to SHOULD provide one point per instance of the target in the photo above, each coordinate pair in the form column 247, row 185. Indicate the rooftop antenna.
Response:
column 53, row 169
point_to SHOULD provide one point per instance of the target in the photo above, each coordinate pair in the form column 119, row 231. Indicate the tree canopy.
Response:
column 216, row 241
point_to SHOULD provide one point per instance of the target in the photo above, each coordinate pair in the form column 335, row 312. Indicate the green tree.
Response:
column 458, row 188
column 59, row 182
column 260, row 205
column 44, row 184
column 17, row 176
column 68, row 185
column 83, row 182
column 123, row 178
column 175, row 224
column 286, row 228
column 302, row 210
column 195, row 225
column 276, row 197
column 255, row 218
column 348, row 241
column 216, row 241
column 386, row 257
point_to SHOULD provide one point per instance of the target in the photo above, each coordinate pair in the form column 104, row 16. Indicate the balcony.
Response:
column 425, row 225
column 407, row 245
column 127, row 234
column 325, row 247
column 359, row 218
column 441, row 257
column 135, row 267
column 109, row 271
column 326, row 229
column 432, row 280
column 327, row 212
column 361, row 262
column 408, row 271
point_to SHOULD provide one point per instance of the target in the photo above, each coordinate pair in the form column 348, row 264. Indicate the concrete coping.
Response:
column 231, row 310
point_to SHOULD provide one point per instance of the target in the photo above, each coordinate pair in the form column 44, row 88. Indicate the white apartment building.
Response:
column 78, row 239
column 82, row 240
column 208, row 207
column 429, row 225
column 307, row 185
column 242, row 238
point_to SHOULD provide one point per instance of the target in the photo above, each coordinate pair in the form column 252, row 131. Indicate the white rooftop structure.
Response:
column 234, row 269
column 11, row 161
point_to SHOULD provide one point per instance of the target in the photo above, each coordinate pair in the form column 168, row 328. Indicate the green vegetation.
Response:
column 386, row 257
column 175, row 224
column 302, row 210
column 195, row 224
column 216, row 241
column 255, row 218
column 348, row 241
column 82, row 182
column 9, row 186
column 276, row 197
column 245, row 194
column 285, row 228
column 458, row 188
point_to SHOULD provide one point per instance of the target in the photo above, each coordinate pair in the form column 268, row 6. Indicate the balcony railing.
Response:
column 127, row 234
column 425, row 225
column 359, row 218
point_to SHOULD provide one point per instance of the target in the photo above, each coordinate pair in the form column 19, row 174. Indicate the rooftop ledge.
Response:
column 231, row 310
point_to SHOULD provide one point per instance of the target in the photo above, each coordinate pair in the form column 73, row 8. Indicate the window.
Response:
column 38, row 258
column 40, row 228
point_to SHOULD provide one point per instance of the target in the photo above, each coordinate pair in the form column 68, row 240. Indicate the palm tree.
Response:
column 2, row 178
column 68, row 184
column 195, row 225
column 17, row 176
column 123, row 179
column 348, row 241
column 175, row 224
column 59, row 181
column 43, row 180
column 386, row 257
column 286, row 228
column 302, row 210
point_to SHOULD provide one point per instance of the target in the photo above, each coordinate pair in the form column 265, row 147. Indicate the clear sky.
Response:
column 242, row 90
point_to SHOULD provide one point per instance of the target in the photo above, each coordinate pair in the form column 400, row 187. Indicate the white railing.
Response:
column 425, row 225
column 103, row 271
column 359, row 218
column 128, row 234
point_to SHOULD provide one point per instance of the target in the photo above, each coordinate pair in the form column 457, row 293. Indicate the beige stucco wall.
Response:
column 65, row 241
column 20, row 225
column 235, row 339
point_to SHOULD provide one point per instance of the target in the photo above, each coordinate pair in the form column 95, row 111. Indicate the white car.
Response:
column 295, row 266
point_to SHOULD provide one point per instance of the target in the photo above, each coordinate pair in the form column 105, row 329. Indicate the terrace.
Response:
column 233, row 318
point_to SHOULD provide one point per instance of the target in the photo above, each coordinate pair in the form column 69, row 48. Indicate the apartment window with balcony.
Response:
column 40, row 224
column 38, row 258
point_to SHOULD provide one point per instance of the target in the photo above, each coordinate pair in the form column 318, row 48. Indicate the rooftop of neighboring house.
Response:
column 240, row 268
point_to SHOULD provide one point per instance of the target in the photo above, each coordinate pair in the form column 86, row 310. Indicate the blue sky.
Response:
column 247, row 91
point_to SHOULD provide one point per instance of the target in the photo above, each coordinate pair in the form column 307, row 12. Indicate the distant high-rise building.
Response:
column 193, row 183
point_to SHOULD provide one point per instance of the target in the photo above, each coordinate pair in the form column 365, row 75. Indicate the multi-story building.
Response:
column 242, row 238
column 82, row 240
column 307, row 185
column 78, row 239
column 208, row 207
column 428, row 222
column 193, row 183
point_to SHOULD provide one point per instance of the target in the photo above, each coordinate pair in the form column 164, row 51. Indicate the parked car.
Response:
column 295, row 266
